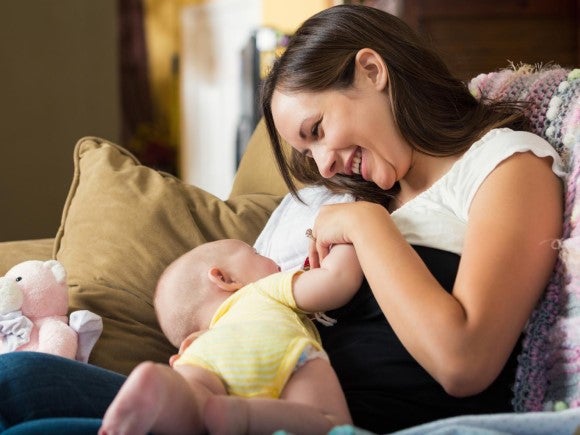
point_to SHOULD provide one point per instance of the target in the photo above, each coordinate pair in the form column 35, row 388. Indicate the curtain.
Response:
column 142, row 132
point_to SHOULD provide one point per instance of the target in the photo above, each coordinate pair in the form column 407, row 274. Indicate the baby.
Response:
column 245, row 340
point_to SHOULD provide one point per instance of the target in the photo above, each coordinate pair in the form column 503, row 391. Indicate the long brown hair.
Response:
column 433, row 110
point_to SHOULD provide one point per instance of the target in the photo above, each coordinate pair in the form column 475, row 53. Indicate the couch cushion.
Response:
column 258, row 171
column 122, row 224
column 12, row 253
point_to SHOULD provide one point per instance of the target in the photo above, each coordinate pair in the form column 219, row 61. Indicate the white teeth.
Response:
column 356, row 165
column 356, row 161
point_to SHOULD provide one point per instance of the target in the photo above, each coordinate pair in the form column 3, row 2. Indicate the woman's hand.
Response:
column 339, row 223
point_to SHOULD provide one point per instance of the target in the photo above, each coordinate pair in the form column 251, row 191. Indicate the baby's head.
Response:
column 195, row 284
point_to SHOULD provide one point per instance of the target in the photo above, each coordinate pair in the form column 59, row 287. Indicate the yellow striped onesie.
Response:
column 255, row 338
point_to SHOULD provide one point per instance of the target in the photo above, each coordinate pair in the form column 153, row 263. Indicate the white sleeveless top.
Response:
column 437, row 217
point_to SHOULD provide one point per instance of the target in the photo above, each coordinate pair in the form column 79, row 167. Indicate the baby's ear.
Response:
column 220, row 279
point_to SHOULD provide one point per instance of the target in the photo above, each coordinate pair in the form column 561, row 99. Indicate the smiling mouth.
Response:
column 356, row 161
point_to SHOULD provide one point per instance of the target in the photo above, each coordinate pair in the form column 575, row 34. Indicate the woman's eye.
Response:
column 316, row 129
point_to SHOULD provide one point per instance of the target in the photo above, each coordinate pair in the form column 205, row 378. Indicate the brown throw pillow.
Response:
column 122, row 224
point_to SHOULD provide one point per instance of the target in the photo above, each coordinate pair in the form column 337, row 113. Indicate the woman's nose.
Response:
column 326, row 162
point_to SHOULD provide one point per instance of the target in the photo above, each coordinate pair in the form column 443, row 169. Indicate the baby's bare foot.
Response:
column 226, row 415
column 136, row 407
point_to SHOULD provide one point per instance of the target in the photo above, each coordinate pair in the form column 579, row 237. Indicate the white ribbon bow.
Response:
column 15, row 329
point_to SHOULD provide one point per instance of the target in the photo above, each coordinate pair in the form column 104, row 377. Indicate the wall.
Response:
column 213, row 36
column 58, row 82
column 287, row 16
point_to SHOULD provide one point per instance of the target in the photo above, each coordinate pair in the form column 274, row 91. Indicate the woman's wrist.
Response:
column 367, row 217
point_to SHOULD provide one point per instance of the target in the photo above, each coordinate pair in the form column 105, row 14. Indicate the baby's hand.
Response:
column 185, row 344
column 172, row 359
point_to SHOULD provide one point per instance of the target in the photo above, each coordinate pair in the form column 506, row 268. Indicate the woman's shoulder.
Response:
column 501, row 143
column 494, row 148
column 484, row 156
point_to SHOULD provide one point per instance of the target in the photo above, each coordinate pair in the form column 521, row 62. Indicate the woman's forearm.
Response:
column 431, row 323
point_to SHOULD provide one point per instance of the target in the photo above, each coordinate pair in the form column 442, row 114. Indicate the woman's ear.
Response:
column 371, row 69
column 220, row 279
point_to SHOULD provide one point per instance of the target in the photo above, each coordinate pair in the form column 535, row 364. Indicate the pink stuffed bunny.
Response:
column 33, row 309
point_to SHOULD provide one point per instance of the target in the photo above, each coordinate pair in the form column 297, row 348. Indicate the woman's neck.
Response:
column 424, row 172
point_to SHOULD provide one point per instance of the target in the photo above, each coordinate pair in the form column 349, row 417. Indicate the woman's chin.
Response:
column 384, row 184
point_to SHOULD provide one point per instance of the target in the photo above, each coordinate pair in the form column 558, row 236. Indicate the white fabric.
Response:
column 15, row 329
column 437, row 217
column 89, row 327
column 283, row 238
column 565, row 422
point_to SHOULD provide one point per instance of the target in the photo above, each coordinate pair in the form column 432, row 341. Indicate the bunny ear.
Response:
column 57, row 270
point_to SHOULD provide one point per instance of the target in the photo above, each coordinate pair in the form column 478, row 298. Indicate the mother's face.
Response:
column 349, row 131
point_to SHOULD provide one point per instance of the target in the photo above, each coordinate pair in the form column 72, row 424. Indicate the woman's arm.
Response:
column 462, row 339
column 331, row 285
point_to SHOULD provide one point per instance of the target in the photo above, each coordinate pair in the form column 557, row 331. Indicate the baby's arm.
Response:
column 331, row 285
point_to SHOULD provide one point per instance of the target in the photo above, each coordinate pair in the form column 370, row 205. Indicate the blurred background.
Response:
column 176, row 81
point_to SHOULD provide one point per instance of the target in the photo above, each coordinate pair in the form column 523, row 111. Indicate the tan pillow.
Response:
column 258, row 171
column 122, row 224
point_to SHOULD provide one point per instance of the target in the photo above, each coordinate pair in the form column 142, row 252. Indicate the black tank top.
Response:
column 386, row 389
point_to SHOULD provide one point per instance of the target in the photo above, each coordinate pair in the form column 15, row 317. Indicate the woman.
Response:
column 452, row 228
column 453, row 225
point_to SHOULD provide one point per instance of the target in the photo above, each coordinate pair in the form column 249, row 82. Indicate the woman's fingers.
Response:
column 313, row 259
column 316, row 251
column 322, row 251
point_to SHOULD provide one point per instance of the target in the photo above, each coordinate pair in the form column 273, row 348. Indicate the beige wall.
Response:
column 58, row 82
column 214, row 34
column 288, row 15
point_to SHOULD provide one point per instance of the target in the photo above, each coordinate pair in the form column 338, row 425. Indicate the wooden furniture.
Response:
column 482, row 35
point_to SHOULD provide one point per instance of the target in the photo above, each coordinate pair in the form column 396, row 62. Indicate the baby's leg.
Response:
column 312, row 402
column 158, row 398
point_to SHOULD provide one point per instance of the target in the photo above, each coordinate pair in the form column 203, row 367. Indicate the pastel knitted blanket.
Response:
column 548, row 374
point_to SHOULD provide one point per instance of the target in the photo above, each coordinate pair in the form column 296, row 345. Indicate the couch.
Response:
column 122, row 223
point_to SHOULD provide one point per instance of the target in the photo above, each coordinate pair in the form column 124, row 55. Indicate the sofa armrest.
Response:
column 12, row 253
